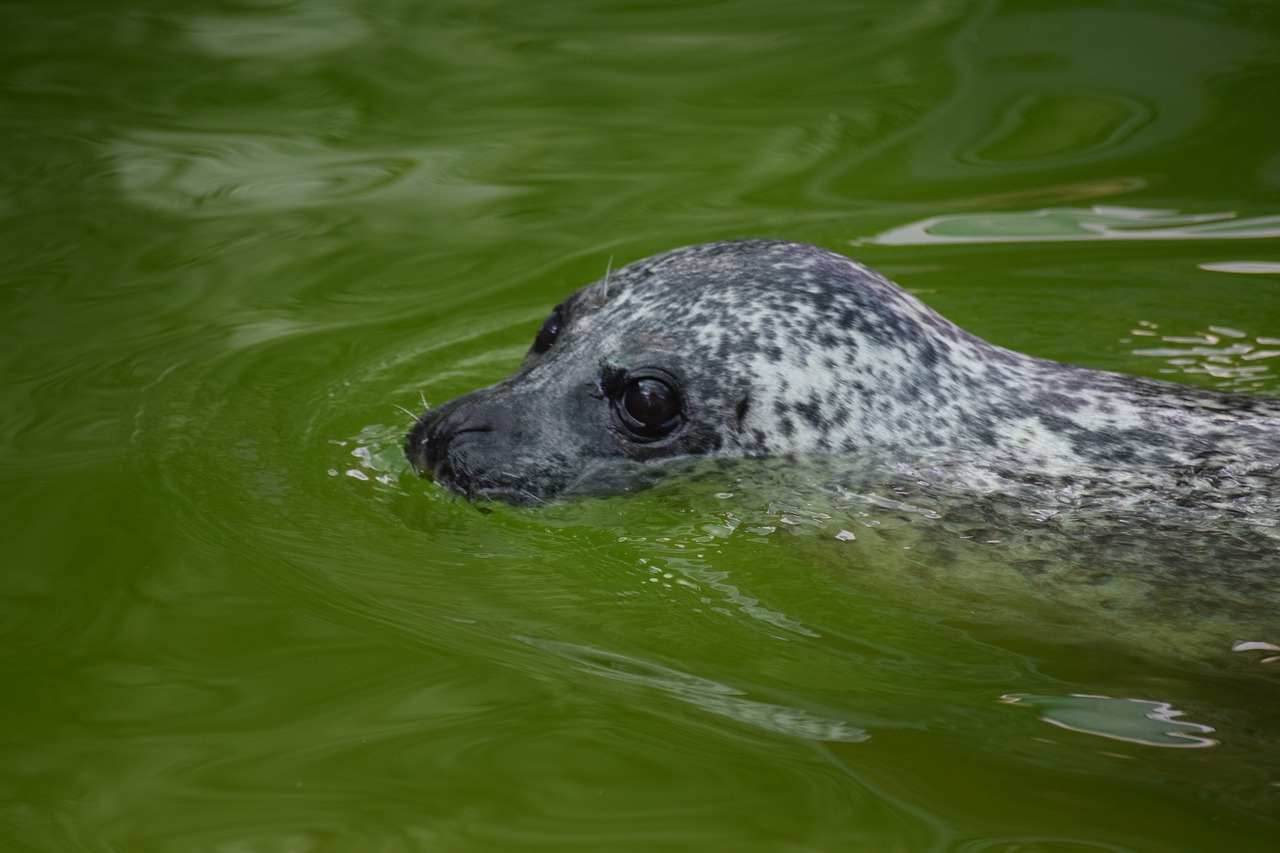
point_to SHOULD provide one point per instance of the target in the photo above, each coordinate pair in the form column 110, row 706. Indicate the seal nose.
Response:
column 427, row 445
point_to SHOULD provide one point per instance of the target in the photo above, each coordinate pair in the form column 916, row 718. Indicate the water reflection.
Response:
column 712, row 696
column 1133, row 720
column 1040, row 89
column 285, row 30
column 1057, row 224
column 222, row 172
column 1237, row 360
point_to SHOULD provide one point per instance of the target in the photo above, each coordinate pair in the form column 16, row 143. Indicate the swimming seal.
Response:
column 759, row 348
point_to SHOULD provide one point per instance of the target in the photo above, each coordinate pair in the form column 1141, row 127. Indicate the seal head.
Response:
column 763, row 348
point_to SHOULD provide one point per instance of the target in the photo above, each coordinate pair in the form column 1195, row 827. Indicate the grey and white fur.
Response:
column 760, row 348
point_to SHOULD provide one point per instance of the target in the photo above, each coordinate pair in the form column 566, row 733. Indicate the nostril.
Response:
column 430, row 443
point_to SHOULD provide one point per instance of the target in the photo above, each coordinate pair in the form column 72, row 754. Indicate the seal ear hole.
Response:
column 549, row 332
column 649, row 407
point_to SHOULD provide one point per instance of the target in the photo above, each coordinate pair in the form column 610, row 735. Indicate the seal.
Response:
column 758, row 348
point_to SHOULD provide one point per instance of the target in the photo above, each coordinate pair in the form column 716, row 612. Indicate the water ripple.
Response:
column 295, row 30
column 709, row 695
column 214, row 172
column 1055, row 224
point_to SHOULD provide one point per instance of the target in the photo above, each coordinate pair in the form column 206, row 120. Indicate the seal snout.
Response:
column 429, row 446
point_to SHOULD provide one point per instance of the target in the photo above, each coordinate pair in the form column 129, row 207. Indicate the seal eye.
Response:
column 649, row 407
column 548, row 333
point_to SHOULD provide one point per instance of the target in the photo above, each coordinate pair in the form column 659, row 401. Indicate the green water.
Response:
column 241, row 239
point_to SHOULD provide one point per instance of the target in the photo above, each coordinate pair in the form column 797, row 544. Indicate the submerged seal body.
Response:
column 759, row 348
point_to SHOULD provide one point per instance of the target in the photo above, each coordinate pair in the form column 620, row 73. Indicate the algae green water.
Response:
column 243, row 241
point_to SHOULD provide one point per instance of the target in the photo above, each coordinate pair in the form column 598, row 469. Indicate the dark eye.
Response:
column 649, row 407
column 548, row 333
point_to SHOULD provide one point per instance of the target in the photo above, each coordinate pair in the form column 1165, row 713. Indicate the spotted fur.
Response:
column 782, row 348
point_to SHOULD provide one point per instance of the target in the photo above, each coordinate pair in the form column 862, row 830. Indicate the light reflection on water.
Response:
column 1232, row 357
column 1101, row 222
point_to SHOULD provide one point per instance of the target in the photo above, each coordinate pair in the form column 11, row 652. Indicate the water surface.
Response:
column 245, row 241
